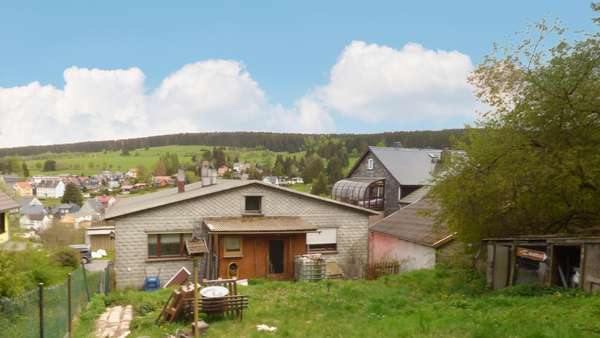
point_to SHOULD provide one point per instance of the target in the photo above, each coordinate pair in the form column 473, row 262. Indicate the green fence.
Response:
column 20, row 316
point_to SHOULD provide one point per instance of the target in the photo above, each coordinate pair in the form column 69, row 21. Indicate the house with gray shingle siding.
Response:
column 252, row 229
column 385, row 175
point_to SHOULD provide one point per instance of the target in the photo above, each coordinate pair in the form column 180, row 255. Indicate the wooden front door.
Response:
column 277, row 259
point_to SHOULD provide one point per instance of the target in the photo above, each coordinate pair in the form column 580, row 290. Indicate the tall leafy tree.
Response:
column 25, row 170
column 49, row 165
column 72, row 195
column 319, row 186
column 532, row 165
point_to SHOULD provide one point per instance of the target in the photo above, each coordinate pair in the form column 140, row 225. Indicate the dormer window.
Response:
column 253, row 205
column 370, row 164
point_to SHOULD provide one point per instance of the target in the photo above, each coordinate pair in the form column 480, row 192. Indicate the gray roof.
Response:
column 129, row 205
column 91, row 207
column 409, row 166
column 7, row 203
column 414, row 223
column 48, row 183
column 258, row 224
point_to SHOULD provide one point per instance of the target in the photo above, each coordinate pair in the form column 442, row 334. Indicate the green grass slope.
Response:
column 429, row 303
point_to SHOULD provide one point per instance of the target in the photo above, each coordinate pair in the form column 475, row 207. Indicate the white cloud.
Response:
column 374, row 83
column 369, row 84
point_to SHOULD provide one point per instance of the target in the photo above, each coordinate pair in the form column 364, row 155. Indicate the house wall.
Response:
column 392, row 187
column 131, row 230
column 411, row 255
column 4, row 237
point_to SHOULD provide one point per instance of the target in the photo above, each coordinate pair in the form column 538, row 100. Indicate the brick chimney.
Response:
column 180, row 181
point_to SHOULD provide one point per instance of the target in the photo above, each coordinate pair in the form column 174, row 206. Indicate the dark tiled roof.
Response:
column 415, row 223
column 7, row 203
column 48, row 183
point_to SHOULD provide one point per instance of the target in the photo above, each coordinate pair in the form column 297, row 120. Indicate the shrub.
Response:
column 67, row 257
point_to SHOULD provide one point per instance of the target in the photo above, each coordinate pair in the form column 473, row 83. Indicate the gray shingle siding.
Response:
column 131, row 230
column 391, row 185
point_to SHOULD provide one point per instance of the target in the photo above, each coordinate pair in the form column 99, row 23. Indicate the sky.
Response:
column 78, row 70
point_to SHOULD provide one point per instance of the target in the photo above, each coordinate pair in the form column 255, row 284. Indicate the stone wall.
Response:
column 131, row 231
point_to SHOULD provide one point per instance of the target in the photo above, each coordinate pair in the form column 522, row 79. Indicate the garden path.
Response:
column 114, row 322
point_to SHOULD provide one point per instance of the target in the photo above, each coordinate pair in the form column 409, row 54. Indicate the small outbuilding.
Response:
column 559, row 260
column 412, row 237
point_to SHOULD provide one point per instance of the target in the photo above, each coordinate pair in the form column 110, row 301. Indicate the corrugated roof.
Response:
column 129, row 205
column 258, row 225
column 414, row 223
column 409, row 166
column 7, row 203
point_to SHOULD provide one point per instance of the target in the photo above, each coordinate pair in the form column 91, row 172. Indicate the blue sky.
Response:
column 289, row 50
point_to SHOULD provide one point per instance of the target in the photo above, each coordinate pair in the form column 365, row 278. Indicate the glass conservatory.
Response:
column 364, row 192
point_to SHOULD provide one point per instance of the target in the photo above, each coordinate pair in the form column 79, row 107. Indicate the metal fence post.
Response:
column 41, row 305
column 87, row 290
column 69, row 305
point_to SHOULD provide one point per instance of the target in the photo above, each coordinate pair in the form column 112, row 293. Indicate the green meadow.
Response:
column 92, row 163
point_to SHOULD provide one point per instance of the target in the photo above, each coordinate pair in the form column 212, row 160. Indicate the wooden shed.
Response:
column 101, row 237
column 570, row 262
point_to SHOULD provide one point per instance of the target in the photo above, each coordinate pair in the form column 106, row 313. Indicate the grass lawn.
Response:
column 428, row 303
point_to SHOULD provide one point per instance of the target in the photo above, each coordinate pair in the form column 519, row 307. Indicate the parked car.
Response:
column 84, row 251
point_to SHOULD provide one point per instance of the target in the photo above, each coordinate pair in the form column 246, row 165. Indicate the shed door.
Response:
column 276, row 256
column 501, row 266
column 591, row 280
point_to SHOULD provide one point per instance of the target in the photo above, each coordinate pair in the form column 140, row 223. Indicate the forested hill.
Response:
column 271, row 141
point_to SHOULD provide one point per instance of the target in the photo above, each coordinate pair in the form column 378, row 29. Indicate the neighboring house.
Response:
column 90, row 212
column 106, row 200
column 412, row 237
column 163, row 181
column 297, row 180
column 113, row 184
column 9, row 180
column 6, row 205
column 33, row 214
column 385, row 175
column 23, row 189
column 62, row 209
column 252, row 229
column 132, row 173
column 271, row 180
column 50, row 189
column 239, row 167
column 222, row 170
column 100, row 237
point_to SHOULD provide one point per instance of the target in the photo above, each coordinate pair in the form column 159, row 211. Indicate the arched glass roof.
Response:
column 358, row 191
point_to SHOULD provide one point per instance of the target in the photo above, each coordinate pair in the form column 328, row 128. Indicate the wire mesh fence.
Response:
column 20, row 316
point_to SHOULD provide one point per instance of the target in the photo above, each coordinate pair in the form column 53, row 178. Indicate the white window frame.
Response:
column 325, row 240
column 370, row 164
column 239, row 253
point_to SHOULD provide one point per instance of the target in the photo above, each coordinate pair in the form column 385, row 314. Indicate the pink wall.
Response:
column 412, row 256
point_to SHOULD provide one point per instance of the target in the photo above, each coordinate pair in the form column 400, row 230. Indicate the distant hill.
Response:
column 270, row 141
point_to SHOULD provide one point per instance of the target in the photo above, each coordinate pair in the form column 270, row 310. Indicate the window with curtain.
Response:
column 167, row 245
